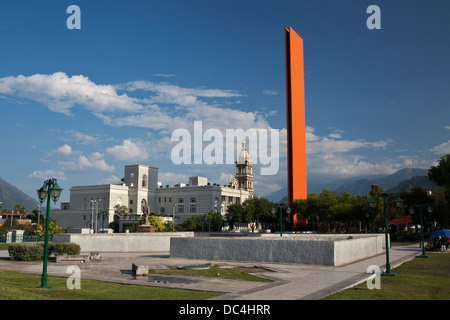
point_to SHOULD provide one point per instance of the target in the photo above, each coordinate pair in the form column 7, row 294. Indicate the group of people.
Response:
column 439, row 243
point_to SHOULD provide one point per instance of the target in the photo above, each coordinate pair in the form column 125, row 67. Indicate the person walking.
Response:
column 443, row 244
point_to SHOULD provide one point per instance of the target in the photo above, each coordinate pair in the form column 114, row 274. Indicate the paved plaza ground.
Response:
column 289, row 281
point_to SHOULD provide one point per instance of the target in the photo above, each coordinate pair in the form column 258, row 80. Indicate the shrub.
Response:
column 35, row 251
column 63, row 248
column 26, row 251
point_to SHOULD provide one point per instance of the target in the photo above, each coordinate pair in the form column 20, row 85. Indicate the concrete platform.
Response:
column 290, row 281
column 316, row 249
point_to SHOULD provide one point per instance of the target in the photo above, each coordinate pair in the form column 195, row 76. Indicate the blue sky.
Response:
column 78, row 105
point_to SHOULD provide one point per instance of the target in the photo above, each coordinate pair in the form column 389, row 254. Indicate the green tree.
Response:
column 169, row 226
column 34, row 216
column 157, row 222
column 260, row 207
column 299, row 206
column 234, row 214
column 440, row 174
column 192, row 223
column 18, row 209
column 121, row 210
column 216, row 221
column 52, row 228
column 440, row 207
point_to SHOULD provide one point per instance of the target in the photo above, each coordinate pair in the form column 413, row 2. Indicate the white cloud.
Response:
column 48, row 174
column 339, row 166
column 63, row 151
column 335, row 135
column 127, row 151
column 334, row 144
column 165, row 75
column 333, row 157
column 172, row 92
column 170, row 178
column 94, row 161
column 167, row 106
column 84, row 138
column 225, row 178
column 111, row 180
column 60, row 93
column 270, row 92
column 443, row 148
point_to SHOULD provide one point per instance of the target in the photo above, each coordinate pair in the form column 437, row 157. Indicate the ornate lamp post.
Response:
column 429, row 210
column 288, row 210
column 398, row 204
column 372, row 213
column 104, row 214
column 49, row 189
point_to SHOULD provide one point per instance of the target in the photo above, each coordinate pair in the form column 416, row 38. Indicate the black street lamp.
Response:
column 429, row 210
column 398, row 204
column 288, row 210
column 49, row 189
column 103, row 215
column 372, row 213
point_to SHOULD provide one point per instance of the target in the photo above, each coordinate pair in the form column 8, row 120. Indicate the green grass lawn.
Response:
column 216, row 271
column 23, row 286
column 418, row 279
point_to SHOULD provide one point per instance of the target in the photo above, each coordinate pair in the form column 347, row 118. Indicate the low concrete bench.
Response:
column 72, row 258
column 139, row 270
column 95, row 255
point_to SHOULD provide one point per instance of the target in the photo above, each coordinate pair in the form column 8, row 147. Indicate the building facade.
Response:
column 93, row 206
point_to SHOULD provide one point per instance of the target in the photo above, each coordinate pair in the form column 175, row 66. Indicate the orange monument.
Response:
column 295, row 100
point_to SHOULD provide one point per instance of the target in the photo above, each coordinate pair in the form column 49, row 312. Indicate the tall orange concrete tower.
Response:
column 295, row 100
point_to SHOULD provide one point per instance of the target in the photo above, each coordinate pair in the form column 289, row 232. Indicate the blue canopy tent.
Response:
column 442, row 233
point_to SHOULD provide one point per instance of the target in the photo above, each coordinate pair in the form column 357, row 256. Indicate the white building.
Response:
column 180, row 201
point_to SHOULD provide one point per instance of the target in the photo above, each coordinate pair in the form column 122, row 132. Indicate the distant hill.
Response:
column 363, row 186
column 403, row 179
column 11, row 195
column 416, row 181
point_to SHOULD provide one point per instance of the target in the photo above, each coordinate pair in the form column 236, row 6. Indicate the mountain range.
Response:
column 403, row 179
column 11, row 196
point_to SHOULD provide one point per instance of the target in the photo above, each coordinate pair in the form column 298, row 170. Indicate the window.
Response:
column 144, row 181
column 180, row 205
column 180, row 208
column 162, row 210
column 193, row 206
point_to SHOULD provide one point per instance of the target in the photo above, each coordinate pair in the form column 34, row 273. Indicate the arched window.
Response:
column 180, row 205
column 144, row 181
column 193, row 206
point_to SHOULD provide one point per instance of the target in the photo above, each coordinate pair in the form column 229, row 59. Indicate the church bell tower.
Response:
column 244, row 175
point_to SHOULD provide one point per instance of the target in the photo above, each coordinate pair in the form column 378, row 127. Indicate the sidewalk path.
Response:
column 290, row 281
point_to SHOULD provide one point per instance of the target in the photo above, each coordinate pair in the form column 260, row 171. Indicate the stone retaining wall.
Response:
column 328, row 250
column 122, row 242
